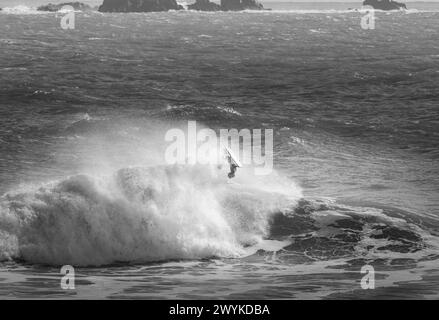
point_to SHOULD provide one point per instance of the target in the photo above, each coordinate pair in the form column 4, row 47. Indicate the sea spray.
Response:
column 137, row 214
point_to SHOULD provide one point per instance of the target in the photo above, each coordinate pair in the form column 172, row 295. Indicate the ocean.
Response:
column 355, row 120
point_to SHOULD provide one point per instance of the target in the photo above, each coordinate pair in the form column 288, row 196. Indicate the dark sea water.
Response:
column 355, row 116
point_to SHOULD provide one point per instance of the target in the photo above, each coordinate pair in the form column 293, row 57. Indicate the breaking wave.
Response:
column 139, row 215
column 121, row 210
column 161, row 213
column 21, row 9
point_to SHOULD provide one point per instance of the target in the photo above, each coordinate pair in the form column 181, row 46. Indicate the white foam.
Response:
column 21, row 9
column 136, row 215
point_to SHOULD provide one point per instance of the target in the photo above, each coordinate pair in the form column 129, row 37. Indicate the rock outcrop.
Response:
column 385, row 4
column 204, row 5
column 79, row 6
column 237, row 5
column 139, row 5
column 165, row 5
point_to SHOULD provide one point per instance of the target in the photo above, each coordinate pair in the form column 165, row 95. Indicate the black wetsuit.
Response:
column 232, row 170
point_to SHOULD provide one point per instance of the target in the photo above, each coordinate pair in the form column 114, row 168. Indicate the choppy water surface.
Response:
column 356, row 143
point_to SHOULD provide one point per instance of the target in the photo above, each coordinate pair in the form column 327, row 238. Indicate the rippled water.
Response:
column 355, row 118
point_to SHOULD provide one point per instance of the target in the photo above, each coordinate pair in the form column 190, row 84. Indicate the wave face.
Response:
column 321, row 229
column 136, row 215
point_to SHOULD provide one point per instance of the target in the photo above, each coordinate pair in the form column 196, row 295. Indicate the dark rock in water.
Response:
column 204, row 5
column 139, row 5
column 56, row 7
column 165, row 5
column 385, row 4
column 237, row 5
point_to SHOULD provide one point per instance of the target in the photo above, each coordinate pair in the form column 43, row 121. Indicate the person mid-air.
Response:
column 233, row 162
column 232, row 170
